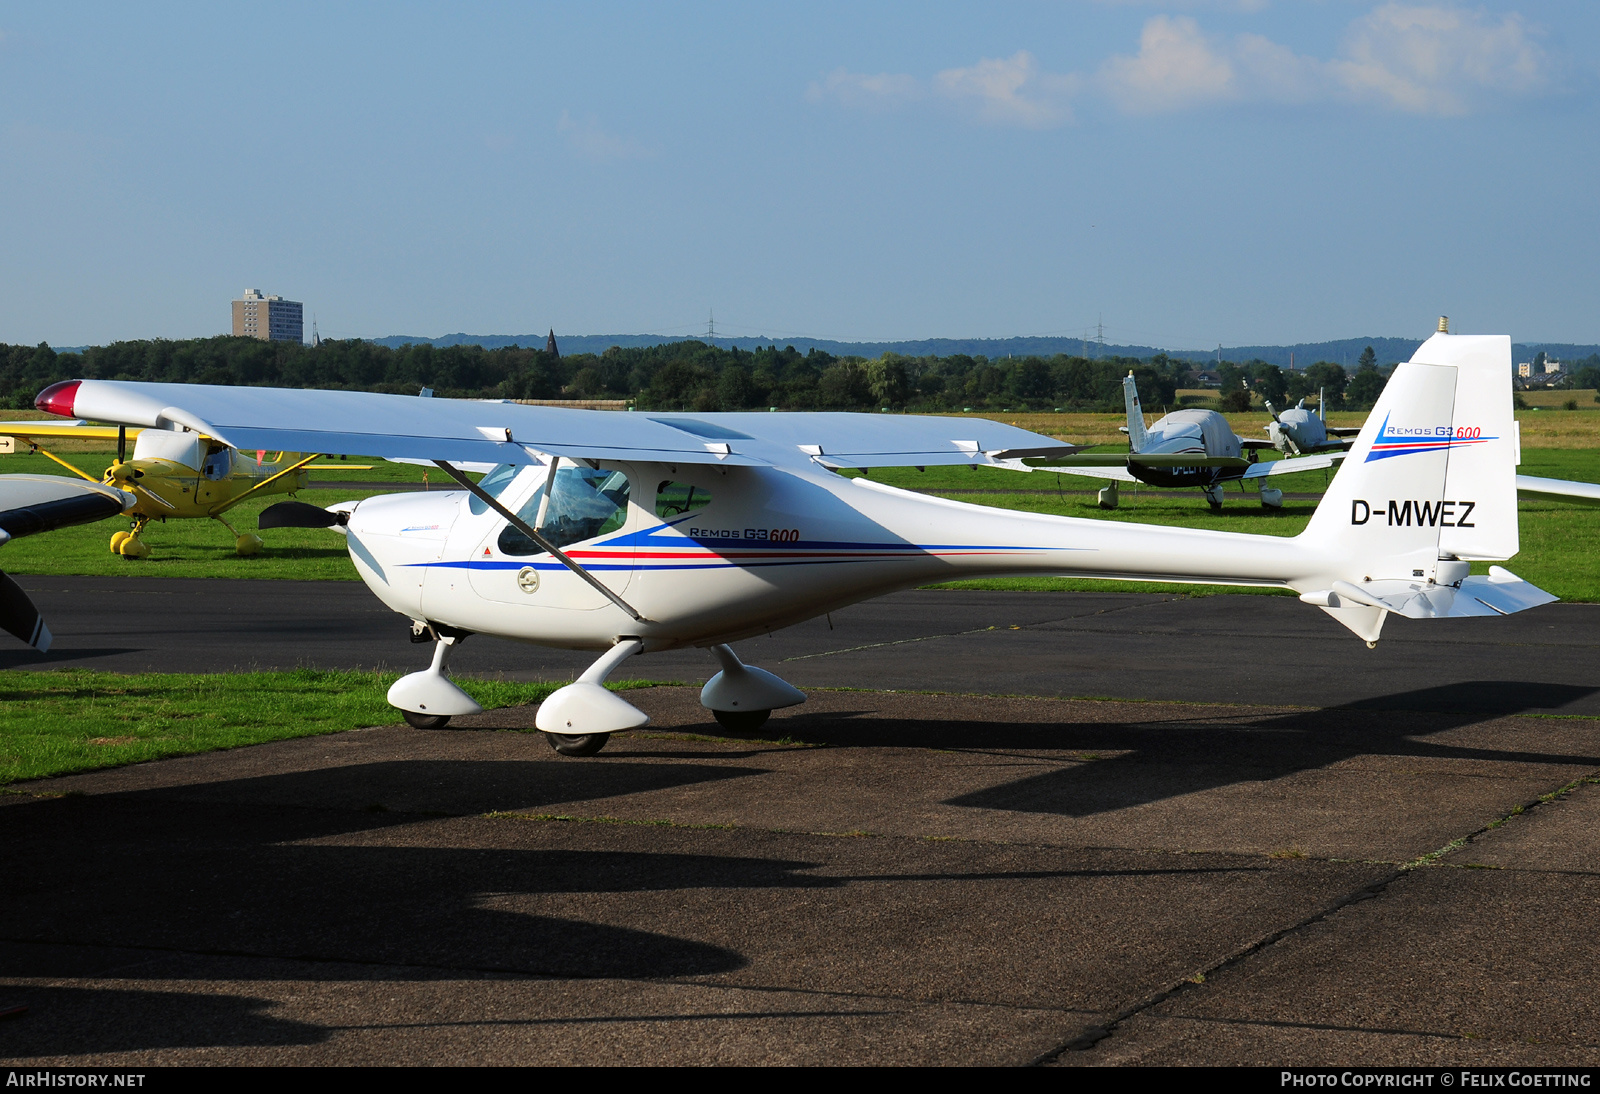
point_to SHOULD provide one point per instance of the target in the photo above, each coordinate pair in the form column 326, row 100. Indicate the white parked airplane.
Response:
column 649, row 532
column 1299, row 432
column 1184, row 448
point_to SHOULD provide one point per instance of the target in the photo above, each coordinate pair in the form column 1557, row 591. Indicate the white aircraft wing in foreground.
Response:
column 30, row 504
column 654, row 531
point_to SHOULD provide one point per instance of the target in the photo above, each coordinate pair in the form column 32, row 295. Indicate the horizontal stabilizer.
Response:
column 1293, row 465
column 1584, row 493
column 1500, row 593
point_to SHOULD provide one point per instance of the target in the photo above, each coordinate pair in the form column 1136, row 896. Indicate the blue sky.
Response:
column 1253, row 171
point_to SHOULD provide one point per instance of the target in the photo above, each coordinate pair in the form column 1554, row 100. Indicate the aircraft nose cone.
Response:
column 59, row 398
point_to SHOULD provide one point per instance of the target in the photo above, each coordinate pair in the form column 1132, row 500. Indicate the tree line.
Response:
column 679, row 376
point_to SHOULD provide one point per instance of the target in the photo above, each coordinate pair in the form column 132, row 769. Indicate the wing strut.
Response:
column 526, row 529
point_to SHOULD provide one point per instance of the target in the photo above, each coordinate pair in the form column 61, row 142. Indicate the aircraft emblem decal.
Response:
column 1405, row 441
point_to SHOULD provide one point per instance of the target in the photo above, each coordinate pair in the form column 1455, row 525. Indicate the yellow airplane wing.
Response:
column 72, row 431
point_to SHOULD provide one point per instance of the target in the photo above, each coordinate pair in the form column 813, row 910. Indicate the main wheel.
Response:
column 574, row 744
column 742, row 721
column 116, row 541
column 417, row 720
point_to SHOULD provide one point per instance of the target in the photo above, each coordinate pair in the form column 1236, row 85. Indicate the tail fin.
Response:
column 1431, row 480
column 1130, row 399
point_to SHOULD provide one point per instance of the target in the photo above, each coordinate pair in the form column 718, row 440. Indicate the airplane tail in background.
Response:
column 1429, row 487
column 1130, row 398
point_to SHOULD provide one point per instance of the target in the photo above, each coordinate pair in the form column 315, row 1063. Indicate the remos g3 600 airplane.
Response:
column 632, row 533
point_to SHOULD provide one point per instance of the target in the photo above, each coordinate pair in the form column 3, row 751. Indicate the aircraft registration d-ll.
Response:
column 648, row 532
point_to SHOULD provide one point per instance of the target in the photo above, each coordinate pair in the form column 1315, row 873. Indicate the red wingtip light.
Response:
column 59, row 398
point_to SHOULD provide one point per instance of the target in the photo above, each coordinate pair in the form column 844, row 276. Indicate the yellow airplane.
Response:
column 177, row 475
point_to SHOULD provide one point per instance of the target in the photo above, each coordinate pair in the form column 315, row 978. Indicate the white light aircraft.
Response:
column 1299, row 432
column 655, row 531
column 1183, row 448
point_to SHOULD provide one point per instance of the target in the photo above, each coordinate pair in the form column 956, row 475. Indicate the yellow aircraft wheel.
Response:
column 117, row 540
column 249, row 544
column 133, row 547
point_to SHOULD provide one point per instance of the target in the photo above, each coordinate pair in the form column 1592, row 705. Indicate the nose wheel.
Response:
column 742, row 721
column 571, row 744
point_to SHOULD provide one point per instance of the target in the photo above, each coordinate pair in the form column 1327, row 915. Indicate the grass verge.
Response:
column 55, row 723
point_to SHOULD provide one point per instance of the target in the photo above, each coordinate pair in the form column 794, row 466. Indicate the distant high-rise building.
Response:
column 550, row 346
column 269, row 318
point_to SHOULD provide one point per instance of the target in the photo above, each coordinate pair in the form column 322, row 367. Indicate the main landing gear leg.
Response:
column 429, row 699
column 579, row 719
column 128, row 544
column 246, row 543
column 741, row 696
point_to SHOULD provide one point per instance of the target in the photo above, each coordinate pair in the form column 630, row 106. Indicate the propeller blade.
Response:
column 20, row 617
column 299, row 514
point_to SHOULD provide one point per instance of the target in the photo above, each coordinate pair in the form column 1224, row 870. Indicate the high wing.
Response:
column 1293, row 464
column 1584, row 493
column 473, row 431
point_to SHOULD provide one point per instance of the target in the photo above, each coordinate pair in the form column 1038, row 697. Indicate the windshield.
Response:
column 495, row 481
column 583, row 504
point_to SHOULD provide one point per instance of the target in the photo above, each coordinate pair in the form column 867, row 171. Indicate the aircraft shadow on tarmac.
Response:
column 294, row 878
column 67, row 1021
column 1170, row 759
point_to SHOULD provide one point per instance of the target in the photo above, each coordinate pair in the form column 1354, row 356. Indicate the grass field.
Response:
column 53, row 723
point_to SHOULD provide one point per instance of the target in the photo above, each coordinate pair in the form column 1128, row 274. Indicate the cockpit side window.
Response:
column 582, row 504
column 218, row 463
column 673, row 499
column 495, row 481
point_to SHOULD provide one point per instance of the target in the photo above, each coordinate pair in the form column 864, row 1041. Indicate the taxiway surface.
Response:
column 1216, row 649
column 1364, row 857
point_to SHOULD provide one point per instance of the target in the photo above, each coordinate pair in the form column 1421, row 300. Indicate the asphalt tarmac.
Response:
column 1273, row 846
column 1214, row 649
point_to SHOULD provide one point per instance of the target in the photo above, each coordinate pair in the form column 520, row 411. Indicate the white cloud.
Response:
column 996, row 91
column 1176, row 66
column 586, row 138
column 1430, row 59
column 1188, row 5
column 883, row 91
column 1437, row 59
column 1009, row 91
column 1420, row 59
